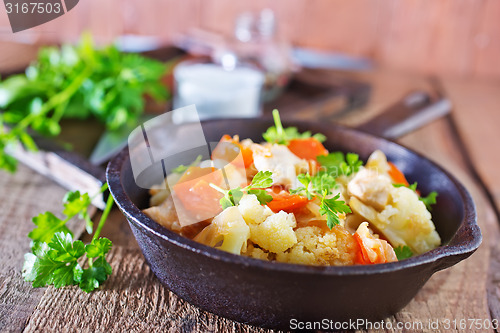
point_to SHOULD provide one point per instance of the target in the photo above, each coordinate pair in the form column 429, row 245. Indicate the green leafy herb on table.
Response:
column 55, row 257
column 261, row 180
column 280, row 135
column 75, row 82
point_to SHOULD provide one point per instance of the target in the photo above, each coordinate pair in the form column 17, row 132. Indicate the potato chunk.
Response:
column 404, row 221
column 228, row 231
column 371, row 187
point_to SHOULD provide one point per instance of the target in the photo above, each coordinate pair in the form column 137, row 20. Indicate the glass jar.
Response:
column 225, row 90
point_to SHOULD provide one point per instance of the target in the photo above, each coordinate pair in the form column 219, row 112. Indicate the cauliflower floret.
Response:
column 278, row 159
column 371, row 187
column 228, row 229
column 255, row 252
column 404, row 221
column 276, row 233
column 317, row 246
column 252, row 211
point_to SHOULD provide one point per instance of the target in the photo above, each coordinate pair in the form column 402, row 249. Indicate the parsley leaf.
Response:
column 403, row 252
column 429, row 199
column 261, row 195
column 262, row 179
column 55, row 254
column 279, row 134
column 98, row 247
column 315, row 186
column 232, row 197
column 411, row 187
column 77, row 204
column 47, row 225
column 331, row 207
column 338, row 164
column 323, row 182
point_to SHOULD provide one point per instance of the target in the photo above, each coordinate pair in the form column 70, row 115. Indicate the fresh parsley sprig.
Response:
column 339, row 163
column 279, row 134
column 403, row 252
column 232, row 197
column 75, row 82
column 332, row 207
column 429, row 200
column 55, row 258
column 320, row 186
column 412, row 187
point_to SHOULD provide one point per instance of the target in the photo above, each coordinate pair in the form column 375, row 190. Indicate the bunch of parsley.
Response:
column 57, row 259
column 75, row 82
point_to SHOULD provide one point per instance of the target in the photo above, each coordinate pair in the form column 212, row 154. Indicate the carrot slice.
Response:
column 283, row 200
column 307, row 148
column 195, row 193
column 397, row 176
column 229, row 152
column 372, row 250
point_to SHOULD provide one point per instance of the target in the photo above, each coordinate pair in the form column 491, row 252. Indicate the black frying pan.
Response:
column 271, row 294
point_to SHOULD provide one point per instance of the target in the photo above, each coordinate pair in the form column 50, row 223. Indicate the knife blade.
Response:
column 112, row 142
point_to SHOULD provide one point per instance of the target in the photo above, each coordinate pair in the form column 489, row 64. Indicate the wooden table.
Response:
column 466, row 143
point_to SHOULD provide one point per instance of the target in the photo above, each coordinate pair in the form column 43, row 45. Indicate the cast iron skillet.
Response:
column 270, row 294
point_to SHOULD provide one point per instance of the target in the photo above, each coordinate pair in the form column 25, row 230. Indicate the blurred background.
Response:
column 459, row 38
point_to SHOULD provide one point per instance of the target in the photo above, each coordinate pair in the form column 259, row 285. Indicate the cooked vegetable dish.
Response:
column 290, row 200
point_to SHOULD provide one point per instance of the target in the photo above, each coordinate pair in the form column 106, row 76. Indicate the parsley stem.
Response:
column 277, row 122
column 104, row 216
column 61, row 97
column 215, row 187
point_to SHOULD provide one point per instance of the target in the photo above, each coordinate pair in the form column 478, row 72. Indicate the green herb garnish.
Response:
column 55, row 254
column 411, row 187
column 261, row 180
column 280, row 135
column 320, row 186
column 332, row 207
column 429, row 199
column 339, row 164
column 403, row 252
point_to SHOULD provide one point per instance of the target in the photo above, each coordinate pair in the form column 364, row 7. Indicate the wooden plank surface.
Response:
column 133, row 299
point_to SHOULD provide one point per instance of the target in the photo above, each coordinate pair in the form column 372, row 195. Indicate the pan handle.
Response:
column 414, row 111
